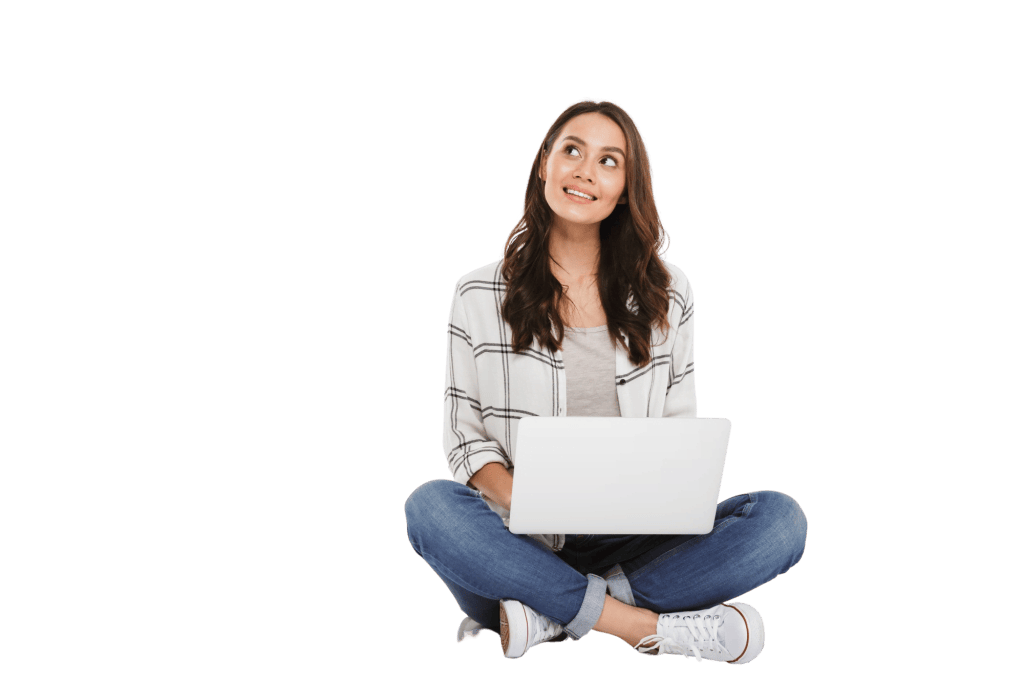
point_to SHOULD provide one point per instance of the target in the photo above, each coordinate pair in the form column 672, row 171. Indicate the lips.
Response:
column 577, row 192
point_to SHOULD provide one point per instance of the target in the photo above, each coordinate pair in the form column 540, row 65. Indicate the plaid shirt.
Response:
column 488, row 387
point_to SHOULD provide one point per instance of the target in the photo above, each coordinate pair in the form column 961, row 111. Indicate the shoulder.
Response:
column 680, row 295
column 487, row 277
column 478, row 295
column 679, row 283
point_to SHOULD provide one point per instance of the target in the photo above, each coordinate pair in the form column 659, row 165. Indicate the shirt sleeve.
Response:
column 465, row 438
column 681, row 399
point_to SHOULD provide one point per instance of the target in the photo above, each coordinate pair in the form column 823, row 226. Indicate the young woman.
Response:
column 583, row 318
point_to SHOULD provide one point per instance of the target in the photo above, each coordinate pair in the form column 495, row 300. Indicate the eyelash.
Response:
column 572, row 146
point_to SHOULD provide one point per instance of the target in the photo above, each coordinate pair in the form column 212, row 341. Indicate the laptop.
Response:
column 617, row 475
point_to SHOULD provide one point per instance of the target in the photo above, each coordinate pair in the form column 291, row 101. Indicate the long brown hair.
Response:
column 631, row 238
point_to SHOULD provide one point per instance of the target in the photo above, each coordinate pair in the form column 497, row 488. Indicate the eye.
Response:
column 611, row 159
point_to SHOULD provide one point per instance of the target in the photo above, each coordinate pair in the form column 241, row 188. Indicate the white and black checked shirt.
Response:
column 488, row 387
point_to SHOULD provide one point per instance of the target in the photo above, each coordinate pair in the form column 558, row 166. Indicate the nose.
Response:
column 585, row 172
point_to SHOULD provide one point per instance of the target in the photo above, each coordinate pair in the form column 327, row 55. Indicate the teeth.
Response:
column 579, row 194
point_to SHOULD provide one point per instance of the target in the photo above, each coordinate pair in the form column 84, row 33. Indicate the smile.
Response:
column 578, row 194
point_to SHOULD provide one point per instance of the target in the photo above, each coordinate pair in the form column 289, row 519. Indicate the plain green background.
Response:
column 230, row 236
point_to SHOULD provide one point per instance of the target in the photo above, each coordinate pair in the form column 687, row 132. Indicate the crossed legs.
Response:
column 756, row 537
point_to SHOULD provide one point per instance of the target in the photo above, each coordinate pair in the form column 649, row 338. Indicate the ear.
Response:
column 543, row 167
column 622, row 198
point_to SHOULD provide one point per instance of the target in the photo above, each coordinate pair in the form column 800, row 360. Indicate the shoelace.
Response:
column 698, row 634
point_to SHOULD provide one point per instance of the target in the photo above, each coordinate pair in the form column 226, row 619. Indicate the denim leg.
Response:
column 481, row 561
column 756, row 537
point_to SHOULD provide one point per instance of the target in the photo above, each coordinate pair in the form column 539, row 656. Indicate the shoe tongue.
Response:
column 732, row 630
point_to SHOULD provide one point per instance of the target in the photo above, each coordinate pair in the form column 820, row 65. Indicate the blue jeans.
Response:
column 755, row 538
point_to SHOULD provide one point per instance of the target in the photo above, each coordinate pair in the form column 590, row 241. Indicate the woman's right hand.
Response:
column 495, row 483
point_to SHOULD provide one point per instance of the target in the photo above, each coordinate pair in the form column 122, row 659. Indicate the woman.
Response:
column 583, row 318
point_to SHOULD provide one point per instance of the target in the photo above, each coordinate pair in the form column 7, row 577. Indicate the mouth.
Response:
column 579, row 194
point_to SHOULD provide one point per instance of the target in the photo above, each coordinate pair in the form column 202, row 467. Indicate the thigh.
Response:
column 451, row 527
column 756, row 537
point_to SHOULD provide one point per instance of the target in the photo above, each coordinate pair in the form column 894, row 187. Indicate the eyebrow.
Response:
column 604, row 149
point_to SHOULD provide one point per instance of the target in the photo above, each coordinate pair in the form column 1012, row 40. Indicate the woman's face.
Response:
column 589, row 158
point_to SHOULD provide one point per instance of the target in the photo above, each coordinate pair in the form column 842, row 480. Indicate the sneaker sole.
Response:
column 755, row 632
column 514, row 628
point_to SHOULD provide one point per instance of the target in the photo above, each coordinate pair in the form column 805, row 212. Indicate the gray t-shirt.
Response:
column 589, row 357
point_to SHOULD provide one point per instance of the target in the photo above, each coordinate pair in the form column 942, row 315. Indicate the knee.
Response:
column 426, row 500
column 434, row 509
column 788, row 524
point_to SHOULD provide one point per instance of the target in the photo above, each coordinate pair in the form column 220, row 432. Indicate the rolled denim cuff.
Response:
column 593, row 604
column 618, row 585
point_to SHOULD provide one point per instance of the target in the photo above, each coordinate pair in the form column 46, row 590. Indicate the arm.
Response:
column 495, row 482
column 681, row 399
column 466, row 442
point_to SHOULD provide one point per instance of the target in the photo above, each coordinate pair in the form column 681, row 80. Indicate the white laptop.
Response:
column 617, row 475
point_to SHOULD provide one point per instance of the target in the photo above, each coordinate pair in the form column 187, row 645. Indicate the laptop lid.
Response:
column 610, row 475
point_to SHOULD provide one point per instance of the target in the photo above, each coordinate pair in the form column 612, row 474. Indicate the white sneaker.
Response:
column 728, row 632
column 522, row 627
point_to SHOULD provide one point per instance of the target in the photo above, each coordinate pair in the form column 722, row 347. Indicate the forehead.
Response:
column 597, row 130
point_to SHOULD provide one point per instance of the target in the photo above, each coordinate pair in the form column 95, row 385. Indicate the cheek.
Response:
column 615, row 190
column 550, row 189
column 551, row 194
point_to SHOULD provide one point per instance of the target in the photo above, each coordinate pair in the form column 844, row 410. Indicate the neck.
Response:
column 575, row 250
